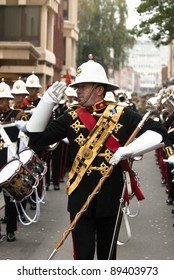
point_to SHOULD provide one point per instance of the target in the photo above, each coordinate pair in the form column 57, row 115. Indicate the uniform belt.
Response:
column 7, row 142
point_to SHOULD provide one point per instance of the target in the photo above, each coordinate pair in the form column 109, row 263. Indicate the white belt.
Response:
column 23, row 137
column 7, row 142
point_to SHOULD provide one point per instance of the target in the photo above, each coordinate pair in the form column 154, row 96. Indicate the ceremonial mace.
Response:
column 97, row 188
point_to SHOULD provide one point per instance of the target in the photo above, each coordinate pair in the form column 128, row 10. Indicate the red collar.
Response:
column 20, row 106
column 31, row 98
column 97, row 106
column 5, row 110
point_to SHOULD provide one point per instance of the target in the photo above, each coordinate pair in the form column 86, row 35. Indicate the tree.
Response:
column 102, row 30
column 156, row 21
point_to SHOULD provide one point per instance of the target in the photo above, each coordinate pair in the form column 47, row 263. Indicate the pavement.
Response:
column 152, row 231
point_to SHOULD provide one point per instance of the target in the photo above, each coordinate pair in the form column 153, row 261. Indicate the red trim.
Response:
column 5, row 110
column 26, row 102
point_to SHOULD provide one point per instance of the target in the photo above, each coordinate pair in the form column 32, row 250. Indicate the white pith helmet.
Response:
column 119, row 92
column 19, row 87
column 109, row 96
column 5, row 91
column 33, row 81
column 70, row 92
column 92, row 72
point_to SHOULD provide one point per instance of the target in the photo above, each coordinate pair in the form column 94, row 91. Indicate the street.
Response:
column 152, row 231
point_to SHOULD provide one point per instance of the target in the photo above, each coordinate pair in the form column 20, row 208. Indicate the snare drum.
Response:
column 33, row 163
column 16, row 180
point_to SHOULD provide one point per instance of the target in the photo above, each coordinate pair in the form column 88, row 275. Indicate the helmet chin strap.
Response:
column 89, row 95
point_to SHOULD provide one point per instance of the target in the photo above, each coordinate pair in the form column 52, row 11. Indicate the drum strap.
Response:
column 22, row 136
column 9, row 144
column 97, row 137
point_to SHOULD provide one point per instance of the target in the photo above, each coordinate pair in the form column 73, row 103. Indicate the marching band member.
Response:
column 96, row 133
column 169, row 148
column 167, row 118
column 19, row 93
column 130, row 102
column 7, row 152
column 32, row 100
column 71, row 96
column 33, row 86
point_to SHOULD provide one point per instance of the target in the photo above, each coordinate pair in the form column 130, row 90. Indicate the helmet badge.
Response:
column 79, row 71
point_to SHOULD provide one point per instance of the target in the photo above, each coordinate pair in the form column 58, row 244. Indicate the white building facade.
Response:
column 148, row 61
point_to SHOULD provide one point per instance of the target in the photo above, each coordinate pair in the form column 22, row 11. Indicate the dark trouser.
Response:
column 59, row 162
column 11, row 214
column 92, row 231
column 171, row 184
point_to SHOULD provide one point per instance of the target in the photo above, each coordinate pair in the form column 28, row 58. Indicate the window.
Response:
column 65, row 9
column 64, row 59
column 19, row 23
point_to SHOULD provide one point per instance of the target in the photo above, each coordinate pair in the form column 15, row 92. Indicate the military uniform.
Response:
column 24, row 115
column 95, row 131
column 8, row 116
column 102, row 211
column 31, row 102
column 169, row 150
column 19, row 93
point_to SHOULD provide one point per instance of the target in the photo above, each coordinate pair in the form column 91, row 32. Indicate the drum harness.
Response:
column 7, row 142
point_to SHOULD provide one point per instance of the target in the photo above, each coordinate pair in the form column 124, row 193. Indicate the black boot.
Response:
column 4, row 220
column 11, row 236
column 169, row 201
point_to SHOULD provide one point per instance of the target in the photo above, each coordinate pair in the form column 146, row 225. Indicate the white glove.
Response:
column 170, row 159
column 146, row 142
column 45, row 107
column 120, row 154
column 65, row 140
column 21, row 125
column 54, row 93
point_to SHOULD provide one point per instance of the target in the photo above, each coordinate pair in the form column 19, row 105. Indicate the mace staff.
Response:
column 97, row 188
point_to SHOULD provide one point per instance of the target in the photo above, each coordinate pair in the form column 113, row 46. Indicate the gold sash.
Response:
column 93, row 144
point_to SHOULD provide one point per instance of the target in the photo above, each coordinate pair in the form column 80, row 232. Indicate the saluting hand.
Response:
column 54, row 93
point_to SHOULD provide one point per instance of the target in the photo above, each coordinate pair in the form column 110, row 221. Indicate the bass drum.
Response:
column 17, row 181
column 33, row 163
